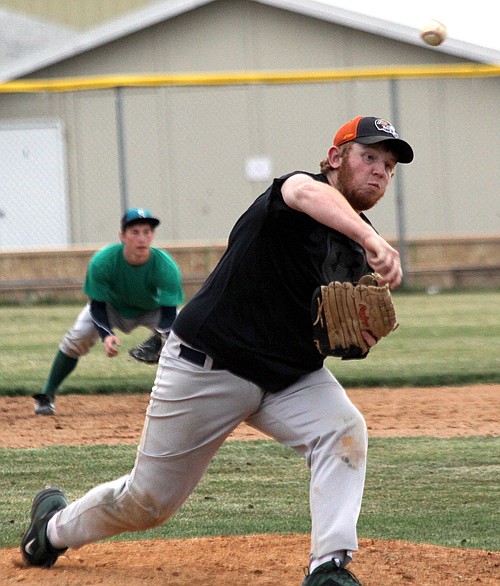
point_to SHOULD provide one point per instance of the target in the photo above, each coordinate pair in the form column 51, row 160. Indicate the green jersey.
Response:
column 133, row 290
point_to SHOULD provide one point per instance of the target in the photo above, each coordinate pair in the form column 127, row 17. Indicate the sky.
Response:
column 473, row 22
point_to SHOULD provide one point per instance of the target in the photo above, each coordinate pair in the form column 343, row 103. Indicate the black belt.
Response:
column 197, row 357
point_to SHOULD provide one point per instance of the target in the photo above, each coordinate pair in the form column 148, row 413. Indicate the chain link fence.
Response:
column 197, row 149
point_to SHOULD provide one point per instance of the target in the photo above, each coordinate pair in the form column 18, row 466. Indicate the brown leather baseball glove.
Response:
column 341, row 311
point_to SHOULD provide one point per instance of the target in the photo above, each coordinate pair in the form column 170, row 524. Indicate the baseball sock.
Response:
column 52, row 534
column 339, row 557
column 62, row 366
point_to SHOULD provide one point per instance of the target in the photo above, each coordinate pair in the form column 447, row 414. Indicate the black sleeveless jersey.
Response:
column 253, row 313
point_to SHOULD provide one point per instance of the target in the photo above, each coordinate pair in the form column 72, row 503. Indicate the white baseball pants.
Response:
column 191, row 412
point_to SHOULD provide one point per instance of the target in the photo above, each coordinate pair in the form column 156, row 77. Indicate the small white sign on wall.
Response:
column 258, row 169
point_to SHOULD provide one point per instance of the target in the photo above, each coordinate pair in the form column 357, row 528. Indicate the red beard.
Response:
column 360, row 199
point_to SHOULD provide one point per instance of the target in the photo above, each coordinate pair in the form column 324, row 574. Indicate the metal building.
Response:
column 198, row 155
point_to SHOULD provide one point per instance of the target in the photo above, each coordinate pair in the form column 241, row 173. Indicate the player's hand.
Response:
column 384, row 260
column 111, row 345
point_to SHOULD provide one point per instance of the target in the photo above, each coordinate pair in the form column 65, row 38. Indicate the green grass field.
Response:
column 440, row 491
column 450, row 339
column 445, row 339
column 428, row 490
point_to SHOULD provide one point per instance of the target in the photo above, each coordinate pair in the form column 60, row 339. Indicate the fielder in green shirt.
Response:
column 129, row 284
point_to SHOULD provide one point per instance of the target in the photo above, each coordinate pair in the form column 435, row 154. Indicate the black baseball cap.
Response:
column 136, row 215
column 370, row 130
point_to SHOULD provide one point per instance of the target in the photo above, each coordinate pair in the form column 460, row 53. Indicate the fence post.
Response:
column 122, row 163
column 399, row 188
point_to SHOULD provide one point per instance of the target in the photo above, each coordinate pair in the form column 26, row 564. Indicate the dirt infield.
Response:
column 257, row 560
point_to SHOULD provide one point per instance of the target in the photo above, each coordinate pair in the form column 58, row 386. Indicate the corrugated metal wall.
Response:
column 186, row 148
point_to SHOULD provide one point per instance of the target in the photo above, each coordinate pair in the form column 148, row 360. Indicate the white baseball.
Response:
column 433, row 33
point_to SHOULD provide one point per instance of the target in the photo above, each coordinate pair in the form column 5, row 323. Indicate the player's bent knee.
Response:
column 75, row 349
column 334, row 437
column 150, row 507
column 359, row 423
column 142, row 511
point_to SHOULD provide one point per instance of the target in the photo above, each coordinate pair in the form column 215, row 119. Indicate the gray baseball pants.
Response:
column 191, row 412
column 82, row 336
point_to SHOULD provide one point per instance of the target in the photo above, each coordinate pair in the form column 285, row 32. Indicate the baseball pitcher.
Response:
column 250, row 346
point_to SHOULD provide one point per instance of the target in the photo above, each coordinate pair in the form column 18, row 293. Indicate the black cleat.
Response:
column 35, row 545
column 329, row 574
column 44, row 404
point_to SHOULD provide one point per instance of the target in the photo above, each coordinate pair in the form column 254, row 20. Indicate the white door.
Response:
column 33, row 202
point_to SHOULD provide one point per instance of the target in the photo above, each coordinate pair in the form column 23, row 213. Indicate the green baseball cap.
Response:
column 137, row 215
